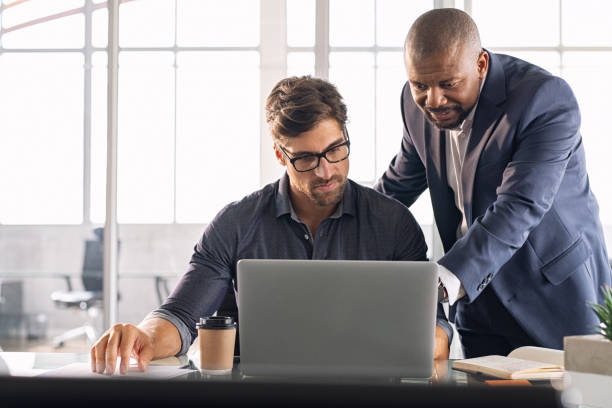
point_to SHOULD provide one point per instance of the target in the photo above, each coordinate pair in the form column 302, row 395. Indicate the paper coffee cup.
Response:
column 217, row 336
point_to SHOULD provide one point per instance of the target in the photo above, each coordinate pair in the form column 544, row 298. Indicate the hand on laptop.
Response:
column 441, row 346
column 153, row 338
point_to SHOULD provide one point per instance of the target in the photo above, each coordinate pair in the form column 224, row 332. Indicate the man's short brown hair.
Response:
column 298, row 104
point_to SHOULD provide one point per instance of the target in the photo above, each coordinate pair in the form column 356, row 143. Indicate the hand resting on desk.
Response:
column 152, row 339
column 441, row 346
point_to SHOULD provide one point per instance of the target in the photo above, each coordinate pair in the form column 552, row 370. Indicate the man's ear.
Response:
column 483, row 64
column 280, row 157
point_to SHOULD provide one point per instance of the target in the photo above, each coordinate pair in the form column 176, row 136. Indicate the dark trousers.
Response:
column 486, row 327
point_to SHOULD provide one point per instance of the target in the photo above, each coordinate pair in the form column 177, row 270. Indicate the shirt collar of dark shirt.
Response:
column 283, row 201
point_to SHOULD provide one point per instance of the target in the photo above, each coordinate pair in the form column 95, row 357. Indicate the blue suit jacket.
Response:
column 534, row 232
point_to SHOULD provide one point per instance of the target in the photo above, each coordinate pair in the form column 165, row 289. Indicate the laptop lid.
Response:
column 319, row 317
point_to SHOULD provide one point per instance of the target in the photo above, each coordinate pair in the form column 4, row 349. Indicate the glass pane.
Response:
column 43, row 24
column 300, row 63
column 98, row 137
column 218, row 23
column 351, row 23
column 549, row 60
column 353, row 74
column 99, row 27
column 34, row 264
column 41, row 138
column 147, row 23
column 394, row 18
column 390, row 79
column 584, row 72
column 525, row 22
column 300, row 23
column 146, row 137
column 218, row 113
column 587, row 23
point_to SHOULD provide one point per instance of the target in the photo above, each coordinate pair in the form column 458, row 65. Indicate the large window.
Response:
column 189, row 109
column 190, row 94
column 41, row 105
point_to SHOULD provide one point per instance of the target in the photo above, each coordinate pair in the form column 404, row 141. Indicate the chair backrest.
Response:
column 93, row 262
column 93, row 266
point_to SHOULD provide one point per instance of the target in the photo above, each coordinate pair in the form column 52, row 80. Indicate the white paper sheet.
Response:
column 83, row 370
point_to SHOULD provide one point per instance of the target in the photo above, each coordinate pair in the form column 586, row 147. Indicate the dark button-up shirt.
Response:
column 263, row 225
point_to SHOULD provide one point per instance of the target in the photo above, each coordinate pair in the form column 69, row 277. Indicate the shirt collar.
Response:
column 283, row 201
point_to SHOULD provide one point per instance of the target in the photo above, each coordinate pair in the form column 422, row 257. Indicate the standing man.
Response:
column 313, row 212
column 497, row 142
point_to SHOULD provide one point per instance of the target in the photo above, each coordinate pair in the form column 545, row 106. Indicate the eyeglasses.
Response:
column 311, row 161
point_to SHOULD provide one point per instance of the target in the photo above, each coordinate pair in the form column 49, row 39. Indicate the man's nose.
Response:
column 435, row 98
column 324, row 170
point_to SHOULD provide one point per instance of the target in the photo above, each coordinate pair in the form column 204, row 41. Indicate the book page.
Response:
column 541, row 354
column 506, row 367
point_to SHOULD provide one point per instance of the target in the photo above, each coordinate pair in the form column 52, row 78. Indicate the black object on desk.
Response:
column 40, row 391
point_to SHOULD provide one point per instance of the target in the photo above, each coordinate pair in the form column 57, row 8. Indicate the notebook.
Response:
column 528, row 363
column 337, row 318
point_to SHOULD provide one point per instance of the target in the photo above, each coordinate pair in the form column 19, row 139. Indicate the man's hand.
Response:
column 122, row 340
column 441, row 346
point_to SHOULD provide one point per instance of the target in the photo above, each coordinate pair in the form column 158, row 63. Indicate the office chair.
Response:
column 90, row 299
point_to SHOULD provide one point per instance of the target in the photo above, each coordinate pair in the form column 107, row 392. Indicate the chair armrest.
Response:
column 161, row 287
column 68, row 280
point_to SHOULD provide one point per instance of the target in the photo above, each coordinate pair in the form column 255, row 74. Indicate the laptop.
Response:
column 336, row 318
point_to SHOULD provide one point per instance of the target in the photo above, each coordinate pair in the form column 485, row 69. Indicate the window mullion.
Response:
column 322, row 39
column 273, row 66
column 87, row 146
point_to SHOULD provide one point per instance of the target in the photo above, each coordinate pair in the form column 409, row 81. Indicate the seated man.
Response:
column 312, row 212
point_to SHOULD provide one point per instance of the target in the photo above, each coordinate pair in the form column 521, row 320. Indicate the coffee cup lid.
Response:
column 216, row 323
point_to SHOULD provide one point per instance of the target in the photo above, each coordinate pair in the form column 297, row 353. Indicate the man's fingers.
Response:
column 100, row 353
column 123, row 341
column 92, row 357
column 125, row 349
column 144, row 357
column 441, row 346
column 112, row 348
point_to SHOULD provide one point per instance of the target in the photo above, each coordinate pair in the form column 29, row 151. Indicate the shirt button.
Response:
column 306, row 237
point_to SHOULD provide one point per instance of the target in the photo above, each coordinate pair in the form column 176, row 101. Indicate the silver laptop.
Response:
column 336, row 318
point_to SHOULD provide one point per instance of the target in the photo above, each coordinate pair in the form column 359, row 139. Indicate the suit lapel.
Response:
column 485, row 120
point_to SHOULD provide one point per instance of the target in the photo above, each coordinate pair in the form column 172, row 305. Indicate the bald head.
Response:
column 445, row 66
column 442, row 32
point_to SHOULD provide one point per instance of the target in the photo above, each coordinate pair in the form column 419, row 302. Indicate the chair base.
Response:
column 87, row 330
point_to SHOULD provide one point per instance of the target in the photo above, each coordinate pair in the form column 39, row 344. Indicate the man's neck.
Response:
column 310, row 214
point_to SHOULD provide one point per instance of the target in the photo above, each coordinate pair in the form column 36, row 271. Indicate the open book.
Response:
column 529, row 363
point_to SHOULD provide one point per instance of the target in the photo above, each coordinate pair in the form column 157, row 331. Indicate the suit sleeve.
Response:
column 547, row 135
column 405, row 178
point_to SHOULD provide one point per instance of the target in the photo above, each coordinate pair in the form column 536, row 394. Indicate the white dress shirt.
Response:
column 456, row 146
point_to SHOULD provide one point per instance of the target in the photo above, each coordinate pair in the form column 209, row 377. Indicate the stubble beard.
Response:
column 323, row 199
column 462, row 115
